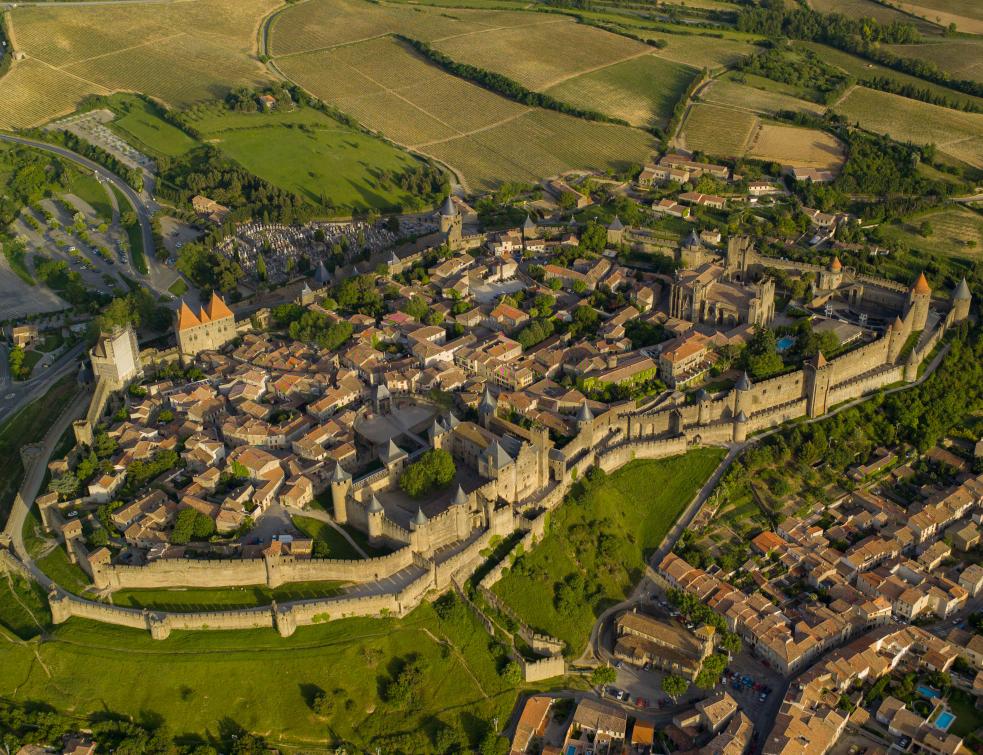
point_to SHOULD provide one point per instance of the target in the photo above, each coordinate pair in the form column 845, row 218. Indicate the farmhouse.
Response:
column 669, row 207
column 703, row 200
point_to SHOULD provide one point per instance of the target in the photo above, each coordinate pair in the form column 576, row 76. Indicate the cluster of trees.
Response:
column 405, row 689
column 191, row 524
column 804, row 69
column 32, row 723
column 139, row 473
column 58, row 276
column 205, row 170
column 774, row 19
column 359, row 294
column 503, row 85
column 138, row 308
column 312, row 327
column 431, row 471
column 544, row 324
column 425, row 180
column 15, row 361
column 760, row 358
column 877, row 165
column 208, row 269
column 417, row 308
column 924, row 94
column 861, row 36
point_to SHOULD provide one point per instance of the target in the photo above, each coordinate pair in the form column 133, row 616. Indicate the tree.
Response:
column 323, row 704
column 603, row 675
column 16, row 361
column 239, row 470
column 260, row 267
column 594, row 238
column 404, row 689
column 66, row 486
column 191, row 524
column 674, row 686
column 434, row 469
column 511, row 673
column 731, row 642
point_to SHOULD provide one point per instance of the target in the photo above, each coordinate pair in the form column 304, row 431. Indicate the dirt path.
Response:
column 584, row 72
column 457, row 654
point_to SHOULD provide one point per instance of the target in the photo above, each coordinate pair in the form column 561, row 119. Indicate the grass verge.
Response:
column 595, row 549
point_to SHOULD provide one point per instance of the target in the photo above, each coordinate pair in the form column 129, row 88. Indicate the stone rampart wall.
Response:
column 244, row 572
column 861, row 360
column 545, row 668
column 867, row 383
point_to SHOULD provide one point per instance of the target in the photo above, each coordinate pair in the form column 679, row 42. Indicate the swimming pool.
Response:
column 944, row 720
column 785, row 343
column 927, row 692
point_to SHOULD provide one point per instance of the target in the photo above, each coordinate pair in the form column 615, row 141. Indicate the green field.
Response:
column 307, row 152
column 718, row 130
column 221, row 598
column 960, row 58
column 23, row 606
column 758, row 95
column 538, row 54
column 196, row 681
column 178, row 287
column 52, row 558
column 89, row 190
column 338, row 546
column 141, row 124
column 862, row 68
column 955, row 231
column 180, row 53
column 603, row 537
column 955, row 133
column 642, row 91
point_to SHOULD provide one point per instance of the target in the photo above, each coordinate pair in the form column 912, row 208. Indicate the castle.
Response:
column 708, row 295
column 724, row 292
column 512, row 474
column 510, row 462
column 116, row 357
column 451, row 223
column 213, row 327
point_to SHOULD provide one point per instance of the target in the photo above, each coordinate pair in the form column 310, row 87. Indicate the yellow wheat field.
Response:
column 485, row 138
column 179, row 52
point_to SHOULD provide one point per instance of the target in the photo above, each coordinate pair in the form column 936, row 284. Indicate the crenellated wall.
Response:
column 271, row 571
column 609, row 441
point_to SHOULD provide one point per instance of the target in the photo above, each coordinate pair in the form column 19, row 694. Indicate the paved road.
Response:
column 32, row 483
column 159, row 277
column 23, row 393
column 4, row 370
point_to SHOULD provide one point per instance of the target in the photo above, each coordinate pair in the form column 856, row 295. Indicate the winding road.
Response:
column 158, row 277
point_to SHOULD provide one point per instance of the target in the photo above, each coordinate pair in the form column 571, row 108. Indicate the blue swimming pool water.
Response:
column 785, row 343
column 927, row 691
column 944, row 720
